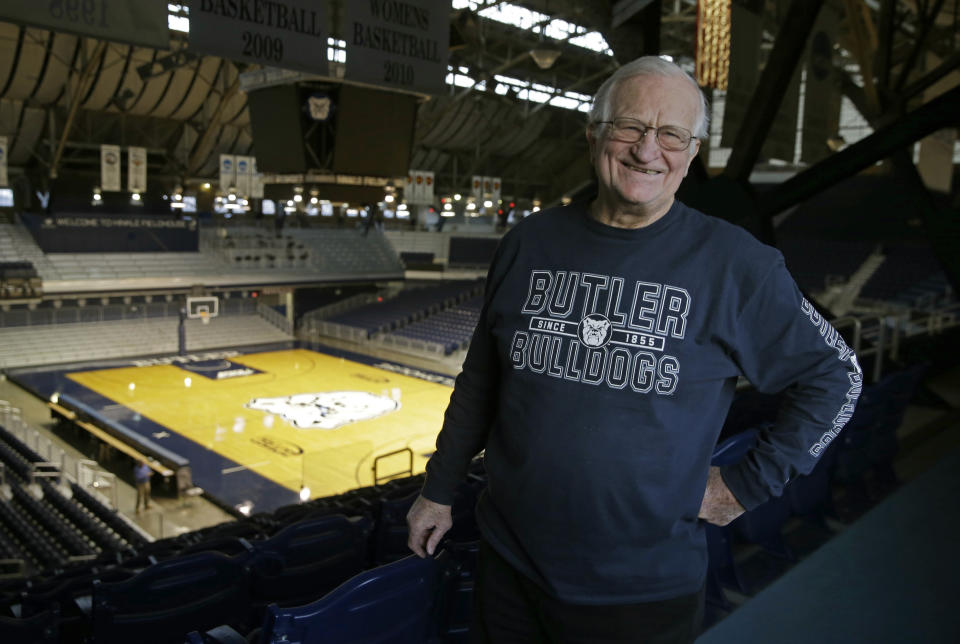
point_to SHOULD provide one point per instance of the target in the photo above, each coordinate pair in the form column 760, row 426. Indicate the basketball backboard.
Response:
column 203, row 308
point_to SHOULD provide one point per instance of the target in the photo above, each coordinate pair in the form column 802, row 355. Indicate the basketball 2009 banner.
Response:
column 291, row 34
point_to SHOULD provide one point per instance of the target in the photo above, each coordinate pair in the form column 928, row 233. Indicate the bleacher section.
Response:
column 42, row 337
column 120, row 585
column 119, row 266
column 19, row 279
column 408, row 305
column 16, row 244
column 227, row 256
column 47, row 525
column 321, row 251
column 452, row 328
column 433, row 320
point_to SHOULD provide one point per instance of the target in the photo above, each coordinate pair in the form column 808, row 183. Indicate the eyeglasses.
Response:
column 669, row 137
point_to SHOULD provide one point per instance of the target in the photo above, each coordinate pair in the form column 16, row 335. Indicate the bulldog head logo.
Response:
column 594, row 330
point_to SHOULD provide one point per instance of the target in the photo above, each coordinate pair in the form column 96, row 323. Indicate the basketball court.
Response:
column 258, row 425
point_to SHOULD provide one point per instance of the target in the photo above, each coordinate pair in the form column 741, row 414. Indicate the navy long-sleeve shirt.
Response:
column 598, row 379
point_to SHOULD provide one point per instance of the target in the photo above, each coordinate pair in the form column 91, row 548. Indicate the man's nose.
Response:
column 647, row 147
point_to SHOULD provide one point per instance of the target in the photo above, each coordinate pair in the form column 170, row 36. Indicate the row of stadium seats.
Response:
column 321, row 253
column 226, row 574
column 47, row 526
column 408, row 306
column 19, row 279
column 22, row 346
column 451, row 328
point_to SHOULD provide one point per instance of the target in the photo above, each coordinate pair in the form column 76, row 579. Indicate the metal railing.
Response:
column 275, row 318
column 351, row 302
column 377, row 478
column 57, row 463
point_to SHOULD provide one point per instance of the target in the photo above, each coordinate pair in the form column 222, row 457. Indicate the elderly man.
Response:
column 603, row 365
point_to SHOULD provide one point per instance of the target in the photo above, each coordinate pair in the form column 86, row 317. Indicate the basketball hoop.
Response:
column 205, row 317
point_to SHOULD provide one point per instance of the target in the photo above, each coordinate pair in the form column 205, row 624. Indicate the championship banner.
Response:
column 398, row 45
column 136, row 22
column 476, row 188
column 256, row 180
column 494, row 191
column 243, row 176
column 409, row 189
column 110, row 168
column 413, row 194
column 136, row 169
column 427, row 190
column 228, row 172
column 3, row 161
column 291, row 34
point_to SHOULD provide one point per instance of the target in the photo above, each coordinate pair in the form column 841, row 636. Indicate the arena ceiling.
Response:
column 62, row 96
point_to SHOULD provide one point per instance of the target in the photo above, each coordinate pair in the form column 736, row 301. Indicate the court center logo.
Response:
column 326, row 409
column 594, row 330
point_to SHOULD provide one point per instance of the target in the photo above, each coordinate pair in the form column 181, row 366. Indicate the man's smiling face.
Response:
column 641, row 178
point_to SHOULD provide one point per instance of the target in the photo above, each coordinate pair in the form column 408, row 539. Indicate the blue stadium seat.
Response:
column 897, row 391
column 721, row 567
column 392, row 604
column 763, row 524
column 853, row 451
column 307, row 559
column 390, row 533
column 456, row 598
column 39, row 629
column 811, row 496
column 171, row 598
column 71, row 597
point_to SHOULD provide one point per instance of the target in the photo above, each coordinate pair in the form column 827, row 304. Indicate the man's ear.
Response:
column 693, row 154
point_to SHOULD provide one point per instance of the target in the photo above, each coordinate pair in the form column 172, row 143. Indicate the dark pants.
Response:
column 511, row 609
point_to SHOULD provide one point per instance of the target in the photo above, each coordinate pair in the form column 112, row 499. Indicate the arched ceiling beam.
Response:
column 938, row 113
column 202, row 150
column 84, row 79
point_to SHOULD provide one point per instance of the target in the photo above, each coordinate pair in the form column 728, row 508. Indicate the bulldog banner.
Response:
column 110, row 168
column 136, row 169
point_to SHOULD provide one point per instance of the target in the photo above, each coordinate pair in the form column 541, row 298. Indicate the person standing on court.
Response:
column 605, row 359
column 141, row 477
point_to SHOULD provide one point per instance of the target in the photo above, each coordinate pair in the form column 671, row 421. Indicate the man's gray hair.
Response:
column 648, row 66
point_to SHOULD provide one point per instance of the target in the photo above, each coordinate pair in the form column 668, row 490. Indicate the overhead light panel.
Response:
column 545, row 57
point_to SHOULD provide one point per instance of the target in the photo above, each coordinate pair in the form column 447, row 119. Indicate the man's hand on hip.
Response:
column 428, row 522
column 719, row 505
